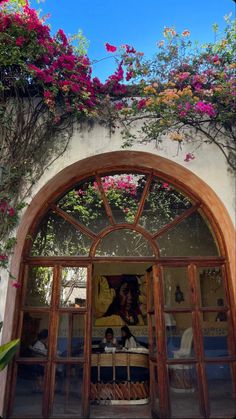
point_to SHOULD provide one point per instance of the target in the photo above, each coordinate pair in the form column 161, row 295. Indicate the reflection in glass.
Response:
column 124, row 243
column 215, row 338
column 70, row 337
column 183, row 391
column 211, row 288
column 57, row 237
column 123, row 192
column 29, row 390
column 85, row 204
column 219, row 379
column 162, row 205
column 33, row 324
column 73, row 287
column 68, row 396
column 174, row 278
column 39, row 286
column 191, row 237
column 155, row 389
column 179, row 335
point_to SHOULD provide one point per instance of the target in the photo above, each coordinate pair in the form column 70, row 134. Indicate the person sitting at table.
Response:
column 109, row 340
column 39, row 347
column 128, row 340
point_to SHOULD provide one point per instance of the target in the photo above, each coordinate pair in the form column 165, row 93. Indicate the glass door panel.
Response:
column 68, row 390
column 176, row 288
column 29, row 390
column 34, row 324
column 179, row 339
column 73, row 292
column 39, row 286
column 219, row 379
column 73, row 340
column 71, row 334
column 184, row 395
column 215, row 338
column 212, row 294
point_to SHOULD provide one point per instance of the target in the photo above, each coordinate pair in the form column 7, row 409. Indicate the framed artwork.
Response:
column 120, row 300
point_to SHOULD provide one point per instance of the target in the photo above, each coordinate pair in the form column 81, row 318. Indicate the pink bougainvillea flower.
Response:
column 3, row 257
column 11, row 212
column 183, row 76
column 207, row 108
column 129, row 49
column 16, row 284
column 129, row 75
column 141, row 104
column 110, row 48
column 63, row 37
column 20, row 41
column 119, row 106
column 165, row 185
column 189, row 156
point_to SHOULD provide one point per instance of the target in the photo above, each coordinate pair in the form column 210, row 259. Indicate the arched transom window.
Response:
column 124, row 214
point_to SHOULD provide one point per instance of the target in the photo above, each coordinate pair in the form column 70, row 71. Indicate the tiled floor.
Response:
column 122, row 412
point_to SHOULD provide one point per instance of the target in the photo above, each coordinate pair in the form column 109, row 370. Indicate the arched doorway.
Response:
column 127, row 218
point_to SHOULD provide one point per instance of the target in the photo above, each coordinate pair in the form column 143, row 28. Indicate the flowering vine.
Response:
column 184, row 89
column 45, row 87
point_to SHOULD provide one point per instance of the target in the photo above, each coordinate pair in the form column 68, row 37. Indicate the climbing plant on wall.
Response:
column 45, row 88
column 186, row 89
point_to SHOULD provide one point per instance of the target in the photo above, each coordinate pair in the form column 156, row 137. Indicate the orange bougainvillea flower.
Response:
column 186, row 32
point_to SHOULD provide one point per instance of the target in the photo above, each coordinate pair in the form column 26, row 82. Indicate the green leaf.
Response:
column 7, row 352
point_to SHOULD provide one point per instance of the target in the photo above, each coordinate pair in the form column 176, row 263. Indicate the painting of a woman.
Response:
column 124, row 309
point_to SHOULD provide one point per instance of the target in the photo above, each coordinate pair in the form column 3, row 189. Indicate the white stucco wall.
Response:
column 209, row 164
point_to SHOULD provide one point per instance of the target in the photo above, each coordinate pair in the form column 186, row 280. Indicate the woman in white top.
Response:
column 39, row 349
column 128, row 340
column 40, row 346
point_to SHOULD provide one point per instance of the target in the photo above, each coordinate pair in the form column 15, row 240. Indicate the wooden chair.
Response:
column 181, row 375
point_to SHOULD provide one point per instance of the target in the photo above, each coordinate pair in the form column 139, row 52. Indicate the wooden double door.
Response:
column 179, row 379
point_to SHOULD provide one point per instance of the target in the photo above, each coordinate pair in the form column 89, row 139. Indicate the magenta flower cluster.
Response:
column 51, row 63
column 124, row 183
column 206, row 108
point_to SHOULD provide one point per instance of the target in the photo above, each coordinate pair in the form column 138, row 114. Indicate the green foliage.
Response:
column 7, row 352
column 82, row 43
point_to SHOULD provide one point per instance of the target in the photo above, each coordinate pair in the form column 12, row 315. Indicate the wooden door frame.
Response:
column 128, row 160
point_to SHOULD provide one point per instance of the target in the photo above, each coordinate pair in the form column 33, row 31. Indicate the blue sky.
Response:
column 135, row 22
